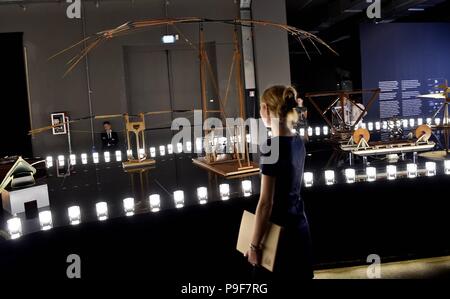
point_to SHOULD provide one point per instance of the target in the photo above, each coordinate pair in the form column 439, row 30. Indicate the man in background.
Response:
column 110, row 139
column 302, row 112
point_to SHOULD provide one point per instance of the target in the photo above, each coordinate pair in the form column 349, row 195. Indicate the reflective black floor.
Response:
column 86, row 185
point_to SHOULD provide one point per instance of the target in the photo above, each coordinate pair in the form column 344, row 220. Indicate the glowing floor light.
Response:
column 74, row 215
column 391, row 172
column 302, row 132
column 45, row 220
column 350, row 175
column 128, row 206
column 118, row 156
column 248, row 138
column 152, row 152
column 179, row 147
column 370, row 126
column 317, row 131
column 95, row 158
column 141, row 153
column 385, row 125
column 412, row 122
column 202, row 195
column 162, row 150
column 155, row 202
column 398, row 123
column 308, row 177
column 107, row 157
column 429, row 121
column 310, row 131
column 437, row 121
column 83, row 159
column 247, row 188
column 224, row 190
column 371, row 173
column 325, row 130
column 170, row 149
column 14, row 227
column 199, row 144
column 49, row 161
column 405, row 123
column 420, row 121
column 329, row 177
column 129, row 153
column 178, row 197
column 411, row 170
column 61, row 161
column 363, row 125
column 102, row 210
column 73, row 159
column 377, row 126
column 447, row 166
column 430, row 168
column 189, row 146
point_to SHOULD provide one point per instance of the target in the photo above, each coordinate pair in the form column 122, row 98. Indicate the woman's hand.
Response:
column 253, row 257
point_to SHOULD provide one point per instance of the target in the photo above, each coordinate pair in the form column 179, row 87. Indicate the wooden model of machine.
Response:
column 360, row 145
column 236, row 162
column 344, row 129
column 444, row 95
column 138, row 129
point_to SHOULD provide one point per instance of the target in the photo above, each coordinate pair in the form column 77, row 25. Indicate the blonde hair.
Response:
column 282, row 101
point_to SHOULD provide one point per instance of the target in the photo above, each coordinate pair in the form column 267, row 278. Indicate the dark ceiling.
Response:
column 338, row 22
column 322, row 15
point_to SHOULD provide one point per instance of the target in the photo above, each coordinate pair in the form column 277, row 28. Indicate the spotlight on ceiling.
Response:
column 169, row 38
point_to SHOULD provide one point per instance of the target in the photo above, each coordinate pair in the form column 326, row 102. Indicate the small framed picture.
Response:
column 59, row 118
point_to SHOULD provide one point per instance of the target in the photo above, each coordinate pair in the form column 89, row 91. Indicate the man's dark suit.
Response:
column 109, row 141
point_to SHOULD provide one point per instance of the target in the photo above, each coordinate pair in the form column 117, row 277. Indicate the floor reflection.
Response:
column 86, row 185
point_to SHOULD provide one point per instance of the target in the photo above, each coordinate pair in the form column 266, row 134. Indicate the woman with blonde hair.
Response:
column 281, row 181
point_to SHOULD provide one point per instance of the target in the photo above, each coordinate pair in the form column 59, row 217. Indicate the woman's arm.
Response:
column 263, row 212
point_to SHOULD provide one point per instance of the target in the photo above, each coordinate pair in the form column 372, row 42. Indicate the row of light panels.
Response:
column 404, row 123
column 14, row 224
column 371, row 175
column 162, row 150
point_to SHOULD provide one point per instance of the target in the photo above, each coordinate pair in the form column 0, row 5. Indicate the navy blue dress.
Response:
column 294, row 257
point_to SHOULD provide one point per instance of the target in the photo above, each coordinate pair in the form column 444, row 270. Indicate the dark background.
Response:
column 15, row 117
column 342, row 31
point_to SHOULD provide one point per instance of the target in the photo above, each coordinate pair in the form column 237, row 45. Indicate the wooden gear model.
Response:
column 360, row 145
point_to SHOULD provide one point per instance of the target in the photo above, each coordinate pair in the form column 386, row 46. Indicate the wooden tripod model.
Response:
column 138, row 129
column 240, row 162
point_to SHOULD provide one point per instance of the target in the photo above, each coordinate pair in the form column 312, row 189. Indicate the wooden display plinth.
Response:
column 138, row 164
column 228, row 168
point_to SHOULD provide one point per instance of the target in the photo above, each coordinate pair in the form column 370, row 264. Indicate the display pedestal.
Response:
column 138, row 164
column 14, row 201
column 228, row 168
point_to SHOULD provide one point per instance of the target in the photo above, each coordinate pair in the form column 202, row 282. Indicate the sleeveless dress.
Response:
column 294, row 256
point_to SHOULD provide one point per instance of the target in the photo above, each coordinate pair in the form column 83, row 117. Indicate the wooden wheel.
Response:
column 425, row 131
column 359, row 134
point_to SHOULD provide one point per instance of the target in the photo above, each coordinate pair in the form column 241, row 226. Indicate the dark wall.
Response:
column 15, row 115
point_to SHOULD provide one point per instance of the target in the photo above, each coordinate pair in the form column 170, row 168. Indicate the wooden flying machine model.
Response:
column 239, row 162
